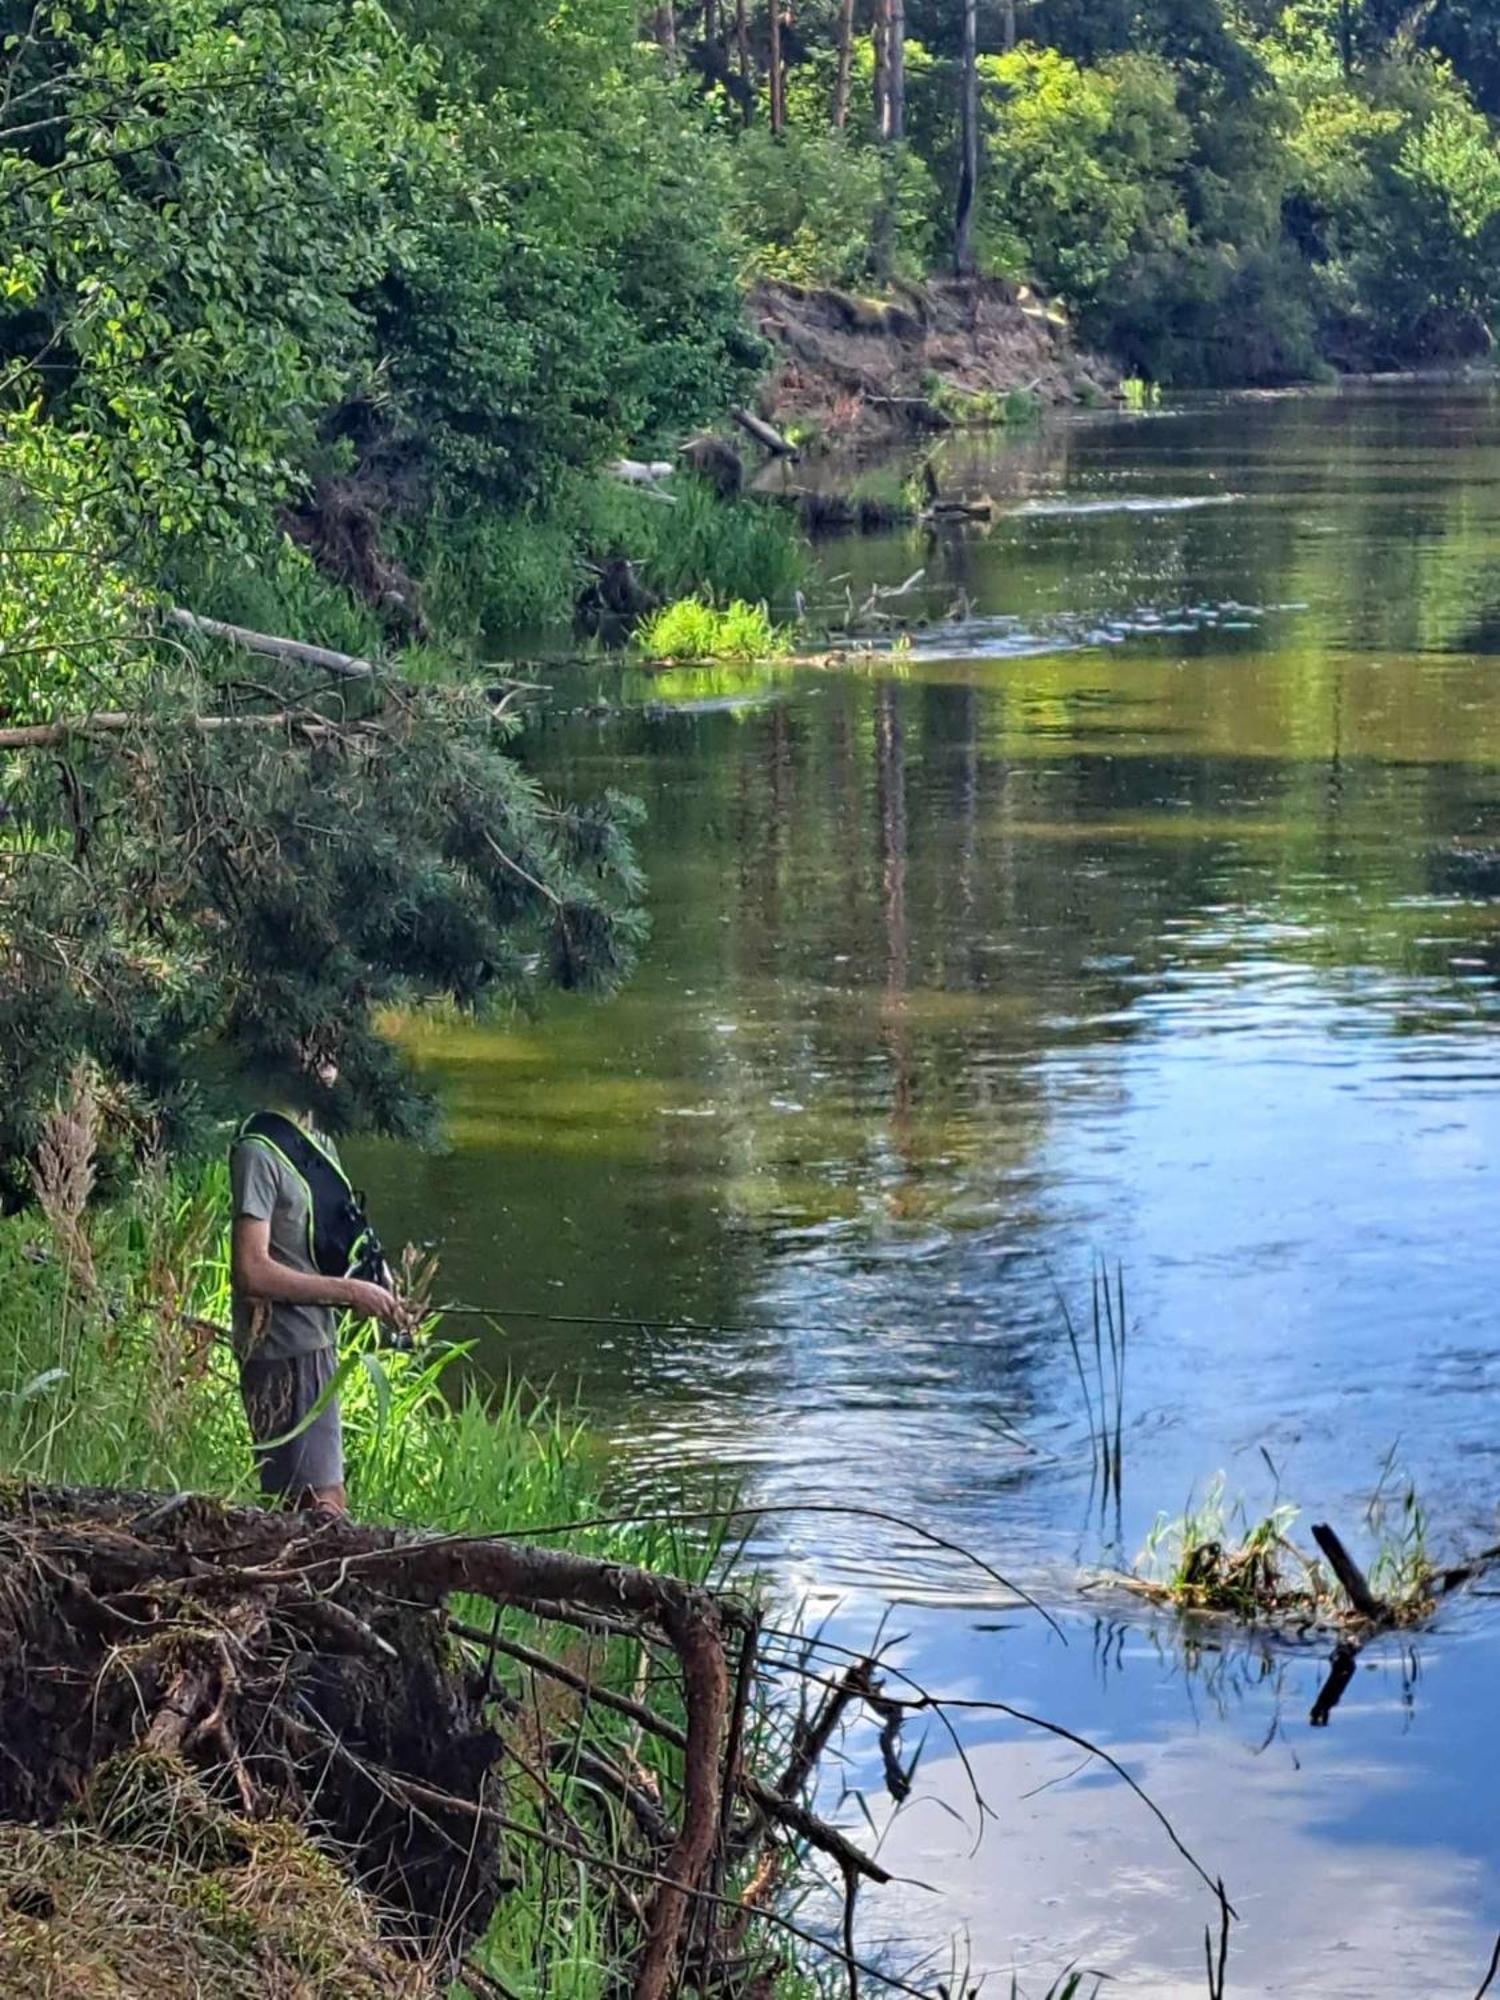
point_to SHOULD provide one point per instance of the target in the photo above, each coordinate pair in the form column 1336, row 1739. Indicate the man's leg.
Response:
column 306, row 1469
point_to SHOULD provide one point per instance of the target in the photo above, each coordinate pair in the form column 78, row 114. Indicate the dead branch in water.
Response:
column 1351, row 1577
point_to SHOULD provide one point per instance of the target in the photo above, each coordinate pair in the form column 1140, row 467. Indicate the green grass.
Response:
column 1216, row 1558
column 486, row 579
column 700, row 546
column 1211, row 1559
column 693, row 630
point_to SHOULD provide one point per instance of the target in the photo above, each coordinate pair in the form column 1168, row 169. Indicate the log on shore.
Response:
column 346, row 665
column 763, row 433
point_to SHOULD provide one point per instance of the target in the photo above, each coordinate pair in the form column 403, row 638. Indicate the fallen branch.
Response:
column 775, row 1803
column 117, row 722
column 763, row 433
column 1355, row 1586
column 347, row 665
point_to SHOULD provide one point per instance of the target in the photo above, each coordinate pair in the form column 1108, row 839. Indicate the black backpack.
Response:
column 340, row 1241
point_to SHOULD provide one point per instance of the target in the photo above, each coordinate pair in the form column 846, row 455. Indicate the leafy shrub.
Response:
column 810, row 206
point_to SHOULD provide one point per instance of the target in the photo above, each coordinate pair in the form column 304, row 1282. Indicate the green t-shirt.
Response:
column 265, row 1189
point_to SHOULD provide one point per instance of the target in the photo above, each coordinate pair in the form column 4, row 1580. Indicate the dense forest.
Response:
column 325, row 317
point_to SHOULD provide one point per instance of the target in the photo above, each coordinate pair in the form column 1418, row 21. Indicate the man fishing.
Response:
column 301, row 1252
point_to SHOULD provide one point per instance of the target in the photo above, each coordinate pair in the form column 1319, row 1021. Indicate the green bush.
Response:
column 809, row 206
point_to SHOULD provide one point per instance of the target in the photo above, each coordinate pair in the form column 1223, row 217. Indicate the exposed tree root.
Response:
column 294, row 1669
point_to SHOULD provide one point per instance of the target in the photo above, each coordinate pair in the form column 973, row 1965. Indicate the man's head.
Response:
column 303, row 1080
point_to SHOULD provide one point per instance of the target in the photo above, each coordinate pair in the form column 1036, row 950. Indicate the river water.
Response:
column 1144, row 910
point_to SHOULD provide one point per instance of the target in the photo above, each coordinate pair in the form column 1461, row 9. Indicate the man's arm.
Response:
column 256, row 1274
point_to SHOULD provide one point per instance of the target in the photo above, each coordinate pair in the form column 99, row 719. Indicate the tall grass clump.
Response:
column 1218, row 1558
column 694, row 630
column 700, row 545
column 487, row 577
column 1212, row 1559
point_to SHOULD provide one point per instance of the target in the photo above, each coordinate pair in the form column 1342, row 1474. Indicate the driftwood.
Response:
column 1351, row 1577
column 346, row 665
column 763, row 433
column 303, row 1667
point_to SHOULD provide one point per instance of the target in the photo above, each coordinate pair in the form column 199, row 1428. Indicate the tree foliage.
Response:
column 1217, row 193
column 184, row 903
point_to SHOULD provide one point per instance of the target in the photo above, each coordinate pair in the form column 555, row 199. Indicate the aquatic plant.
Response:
column 1140, row 394
column 1100, row 1362
column 693, row 629
column 1214, row 1558
column 1204, row 1561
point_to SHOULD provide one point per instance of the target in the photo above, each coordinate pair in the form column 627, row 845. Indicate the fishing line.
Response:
column 642, row 1324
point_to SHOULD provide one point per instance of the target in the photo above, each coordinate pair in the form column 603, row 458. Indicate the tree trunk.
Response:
column 710, row 22
column 897, row 64
column 845, row 64
column 742, row 43
column 1346, row 39
column 666, row 25
column 881, row 36
column 778, row 75
column 1008, row 26
column 968, row 171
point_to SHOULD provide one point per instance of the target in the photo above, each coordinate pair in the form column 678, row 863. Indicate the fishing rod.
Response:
column 638, row 1322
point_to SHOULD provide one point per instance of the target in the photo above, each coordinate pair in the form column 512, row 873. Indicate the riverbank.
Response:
column 259, row 1753
column 942, row 355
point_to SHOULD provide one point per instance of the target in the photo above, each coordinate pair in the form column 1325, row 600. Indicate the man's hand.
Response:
column 367, row 1301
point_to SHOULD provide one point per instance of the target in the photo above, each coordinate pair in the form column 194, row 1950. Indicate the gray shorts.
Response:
column 278, row 1394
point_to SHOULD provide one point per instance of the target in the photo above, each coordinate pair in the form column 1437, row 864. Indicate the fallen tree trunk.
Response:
column 763, row 433
column 346, row 665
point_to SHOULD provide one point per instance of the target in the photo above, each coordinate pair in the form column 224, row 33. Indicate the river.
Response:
column 1146, row 909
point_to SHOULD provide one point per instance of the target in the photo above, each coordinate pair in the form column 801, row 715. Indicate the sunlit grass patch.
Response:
column 693, row 629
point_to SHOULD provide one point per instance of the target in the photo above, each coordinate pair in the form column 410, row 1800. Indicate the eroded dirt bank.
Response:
column 927, row 357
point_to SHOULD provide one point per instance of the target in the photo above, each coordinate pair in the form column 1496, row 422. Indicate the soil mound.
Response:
column 849, row 367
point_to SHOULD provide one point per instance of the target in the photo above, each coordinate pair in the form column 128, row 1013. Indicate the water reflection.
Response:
column 1076, row 930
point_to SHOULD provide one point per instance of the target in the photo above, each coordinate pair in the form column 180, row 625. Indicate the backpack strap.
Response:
column 340, row 1241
